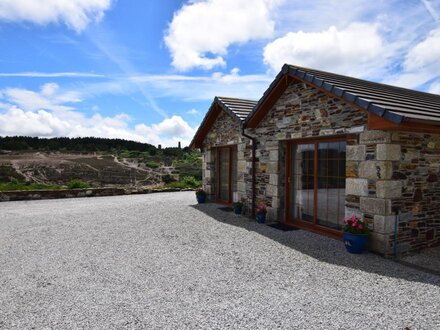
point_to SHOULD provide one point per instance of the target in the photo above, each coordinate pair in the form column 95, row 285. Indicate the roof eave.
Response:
column 288, row 70
column 195, row 143
column 199, row 136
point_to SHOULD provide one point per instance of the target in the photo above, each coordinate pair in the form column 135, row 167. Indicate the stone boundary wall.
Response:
column 24, row 195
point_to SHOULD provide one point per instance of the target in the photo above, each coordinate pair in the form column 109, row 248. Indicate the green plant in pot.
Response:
column 355, row 234
column 201, row 196
column 261, row 213
column 238, row 207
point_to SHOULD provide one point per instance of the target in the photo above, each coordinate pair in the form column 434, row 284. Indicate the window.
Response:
column 317, row 183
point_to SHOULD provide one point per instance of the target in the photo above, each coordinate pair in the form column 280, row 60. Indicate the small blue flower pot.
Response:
column 201, row 199
column 261, row 218
column 237, row 210
column 355, row 243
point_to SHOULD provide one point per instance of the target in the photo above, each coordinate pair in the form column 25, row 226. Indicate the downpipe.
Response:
column 253, row 188
column 396, row 231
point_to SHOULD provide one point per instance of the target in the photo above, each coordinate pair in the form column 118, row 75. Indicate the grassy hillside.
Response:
column 32, row 163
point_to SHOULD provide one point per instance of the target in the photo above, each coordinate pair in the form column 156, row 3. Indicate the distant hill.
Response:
column 98, row 162
column 83, row 144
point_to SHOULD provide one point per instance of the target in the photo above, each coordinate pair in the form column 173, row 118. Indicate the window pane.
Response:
column 333, row 150
column 322, row 150
column 342, row 149
column 302, row 182
column 330, row 189
column 331, row 192
column 341, row 170
column 322, row 167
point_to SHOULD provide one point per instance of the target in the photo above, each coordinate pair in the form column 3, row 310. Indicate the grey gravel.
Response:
column 428, row 258
column 161, row 262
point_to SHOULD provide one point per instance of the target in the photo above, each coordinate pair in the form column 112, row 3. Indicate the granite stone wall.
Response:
column 301, row 112
column 227, row 131
column 392, row 178
column 393, row 184
column 418, row 170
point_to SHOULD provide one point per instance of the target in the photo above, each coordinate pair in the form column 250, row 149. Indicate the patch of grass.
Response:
column 77, row 183
column 152, row 164
column 177, row 185
column 192, row 181
column 8, row 173
column 185, row 183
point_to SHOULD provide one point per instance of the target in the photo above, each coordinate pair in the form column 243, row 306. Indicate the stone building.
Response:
column 226, row 151
column 319, row 146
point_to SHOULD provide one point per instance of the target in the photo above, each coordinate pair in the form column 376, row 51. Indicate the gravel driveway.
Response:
column 160, row 262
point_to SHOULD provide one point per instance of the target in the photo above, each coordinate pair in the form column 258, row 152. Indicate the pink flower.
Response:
column 359, row 227
column 353, row 224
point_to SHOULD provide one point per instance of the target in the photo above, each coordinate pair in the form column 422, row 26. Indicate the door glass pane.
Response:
column 224, row 173
column 302, row 182
column 331, row 195
column 233, row 169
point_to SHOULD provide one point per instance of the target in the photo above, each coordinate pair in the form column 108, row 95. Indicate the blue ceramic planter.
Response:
column 201, row 199
column 237, row 210
column 261, row 218
column 355, row 243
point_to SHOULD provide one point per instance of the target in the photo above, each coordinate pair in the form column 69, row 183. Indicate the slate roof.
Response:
column 390, row 102
column 239, row 109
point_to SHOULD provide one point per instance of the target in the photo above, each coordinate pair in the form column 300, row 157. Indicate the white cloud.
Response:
column 49, row 89
column 435, row 88
column 48, row 113
column 193, row 112
column 421, row 63
column 183, row 86
column 426, row 54
column 201, row 31
column 351, row 50
column 168, row 132
column 47, row 98
column 16, row 121
column 432, row 11
column 76, row 14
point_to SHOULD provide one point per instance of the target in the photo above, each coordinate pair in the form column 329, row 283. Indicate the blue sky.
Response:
column 148, row 70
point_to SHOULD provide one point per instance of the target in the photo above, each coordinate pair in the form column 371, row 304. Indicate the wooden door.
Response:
column 226, row 172
column 315, row 190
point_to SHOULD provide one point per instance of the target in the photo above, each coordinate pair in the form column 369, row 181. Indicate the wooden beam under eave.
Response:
column 378, row 123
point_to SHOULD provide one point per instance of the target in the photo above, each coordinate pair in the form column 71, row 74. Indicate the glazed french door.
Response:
column 316, row 184
column 226, row 172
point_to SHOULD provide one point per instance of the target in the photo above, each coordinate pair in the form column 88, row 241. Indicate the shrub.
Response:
column 191, row 182
column 168, row 178
column 152, row 164
column 77, row 183
column 177, row 185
